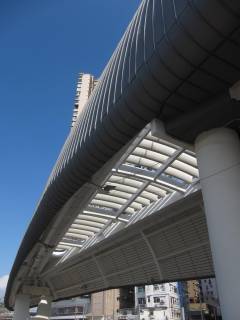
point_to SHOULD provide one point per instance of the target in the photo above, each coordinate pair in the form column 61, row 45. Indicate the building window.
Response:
column 162, row 287
column 155, row 287
column 141, row 301
column 156, row 299
column 141, row 289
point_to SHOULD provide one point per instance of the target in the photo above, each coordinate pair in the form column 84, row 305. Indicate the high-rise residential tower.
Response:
column 85, row 85
column 105, row 304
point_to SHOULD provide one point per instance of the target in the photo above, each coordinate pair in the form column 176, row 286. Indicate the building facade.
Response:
column 76, row 308
column 209, row 294
column 105, row 305
column 85, row 85
column 113, row 304
column 203, row 302
column 158, row 302
column 183, row 298
column 193, row 291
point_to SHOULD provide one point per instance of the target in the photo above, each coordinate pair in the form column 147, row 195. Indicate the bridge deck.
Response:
column 173, row 60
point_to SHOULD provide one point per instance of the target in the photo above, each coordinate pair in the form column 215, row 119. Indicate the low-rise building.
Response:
column 158, row 302
column 76, row 309
column 104, row 305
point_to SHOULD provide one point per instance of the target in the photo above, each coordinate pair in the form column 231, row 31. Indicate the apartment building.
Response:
column 158, row 302
column 71, row 309
column 209, row 294
column 203, row 300
column 85, row 85
column 105, row 305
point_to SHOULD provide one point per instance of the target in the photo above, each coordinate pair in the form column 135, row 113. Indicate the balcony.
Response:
column 161, row 304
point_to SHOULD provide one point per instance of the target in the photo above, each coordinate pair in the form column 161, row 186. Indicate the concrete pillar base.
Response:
column 44, row 309
column 21, row 308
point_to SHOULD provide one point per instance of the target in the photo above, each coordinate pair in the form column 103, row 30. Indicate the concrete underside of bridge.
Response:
column 169, row 245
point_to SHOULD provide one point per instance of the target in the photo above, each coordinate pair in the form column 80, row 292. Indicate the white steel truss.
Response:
column 150, row 173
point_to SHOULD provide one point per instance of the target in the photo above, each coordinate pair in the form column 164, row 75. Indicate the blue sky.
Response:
column 44, row 44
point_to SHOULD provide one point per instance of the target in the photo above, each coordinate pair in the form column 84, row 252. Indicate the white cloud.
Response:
column 3, row 284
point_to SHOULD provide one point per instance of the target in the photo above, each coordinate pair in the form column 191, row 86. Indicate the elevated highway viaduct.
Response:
column 146, row 187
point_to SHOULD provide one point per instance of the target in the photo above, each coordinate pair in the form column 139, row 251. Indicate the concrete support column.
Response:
column 218, row 155
column 44, row 308
column 21, row 308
